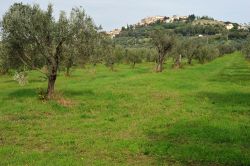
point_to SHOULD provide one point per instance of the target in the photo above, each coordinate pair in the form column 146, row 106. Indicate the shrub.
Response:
column 226, row 48
column 206, row 53
column 42, row 94
column 21, row 78
column 246, row 50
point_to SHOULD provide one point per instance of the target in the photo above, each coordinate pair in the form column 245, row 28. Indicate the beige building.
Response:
column 176, row 18
column 114, row 32
column 229, row 26
column 151, row 20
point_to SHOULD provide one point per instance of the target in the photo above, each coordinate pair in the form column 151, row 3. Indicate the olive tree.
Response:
column 97, row 54
column 177, row 53
column 78, row 49
column 4, row 60
column 28, row 28
column 164, row 42
column 108, row 53
column 206, row 53
column 133, row 56
column 111, row 53
column 246, row 49
column 189, row 49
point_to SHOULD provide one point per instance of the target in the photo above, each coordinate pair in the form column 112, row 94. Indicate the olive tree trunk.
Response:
column 190, row 61
column 133, row 65
column 53, row 63
column 51, row 86
column 159, row 64
column 67, row 71
column 177, row 64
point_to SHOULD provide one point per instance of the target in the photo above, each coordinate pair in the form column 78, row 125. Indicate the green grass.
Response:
column 199, row 115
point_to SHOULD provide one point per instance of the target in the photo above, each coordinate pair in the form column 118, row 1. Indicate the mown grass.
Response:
column 199, row 115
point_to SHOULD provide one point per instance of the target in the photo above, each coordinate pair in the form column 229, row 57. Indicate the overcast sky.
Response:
column 116, row 13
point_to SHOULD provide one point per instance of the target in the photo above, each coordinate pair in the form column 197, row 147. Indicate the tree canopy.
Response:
column 37, row 38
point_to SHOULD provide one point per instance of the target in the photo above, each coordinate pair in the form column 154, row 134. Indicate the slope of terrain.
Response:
column 199, row 115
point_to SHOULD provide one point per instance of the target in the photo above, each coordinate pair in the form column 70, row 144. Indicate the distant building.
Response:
column 229, row 26
column 151, row 20
column 244, row 27
column 176, row 18
column 154, row 19
column 114, row 33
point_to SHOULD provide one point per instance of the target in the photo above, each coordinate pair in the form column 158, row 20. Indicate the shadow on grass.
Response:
column 229, row 101
column 233, row 77
column 8, row 81
column 37, row 81
column 141, row 70
column 199, row 143
column 86, row 93
column 235, row 74
column 22, row 93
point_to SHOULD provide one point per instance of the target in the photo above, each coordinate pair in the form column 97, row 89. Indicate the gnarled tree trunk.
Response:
column 53, row 63
column 159, row 64
column 133, row 65
column 51, row 86
column 67, row 71
column 189, row 61
column 177, row 63
column 112, row 66
column 159, row 67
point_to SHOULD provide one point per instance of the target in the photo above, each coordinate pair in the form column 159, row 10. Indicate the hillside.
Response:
column 192, row 25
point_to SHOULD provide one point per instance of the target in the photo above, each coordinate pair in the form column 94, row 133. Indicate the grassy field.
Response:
column 199, row 115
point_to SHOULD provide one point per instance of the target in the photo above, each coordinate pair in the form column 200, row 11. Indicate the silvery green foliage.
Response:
column 21, row 78
column 36, row 38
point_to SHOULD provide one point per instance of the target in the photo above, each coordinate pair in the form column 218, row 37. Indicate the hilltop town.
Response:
column 175, row 18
